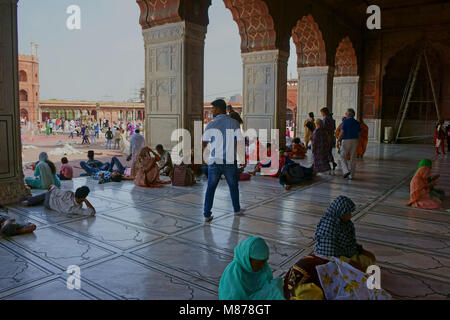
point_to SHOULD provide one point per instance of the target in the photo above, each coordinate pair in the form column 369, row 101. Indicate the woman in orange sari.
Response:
column 420, row 191
column 363, row 139
column 146, row 169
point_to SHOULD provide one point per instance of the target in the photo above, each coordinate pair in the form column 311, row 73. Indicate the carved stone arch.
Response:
column 256, row 25
column 311, row 51
column 23, row 76
column 346, row 63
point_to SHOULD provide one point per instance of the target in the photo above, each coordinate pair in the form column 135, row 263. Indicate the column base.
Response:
column 11, row 192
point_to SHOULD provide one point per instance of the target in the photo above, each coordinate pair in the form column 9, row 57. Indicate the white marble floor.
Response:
column 153, row 244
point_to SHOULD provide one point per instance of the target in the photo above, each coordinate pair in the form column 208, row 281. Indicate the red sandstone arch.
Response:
column 255, row 23
column 309, row 42
column 346, row 63
column 158, row 12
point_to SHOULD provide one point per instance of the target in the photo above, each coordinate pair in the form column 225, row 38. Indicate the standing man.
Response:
column 309, row 126
column 117, row 138
column 349, row 136
column 137, row 142
column 109, row 136
column 329, row 124
column 217, row 161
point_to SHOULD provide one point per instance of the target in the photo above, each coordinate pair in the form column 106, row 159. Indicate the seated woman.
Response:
column 438, row 193
column 293, row 173
column 248, row 276
column 146, row 169
column 9, row 227
column 421, row 195
column 298, row 150
column 45, row 173
column 335, row 236
column 283, row 159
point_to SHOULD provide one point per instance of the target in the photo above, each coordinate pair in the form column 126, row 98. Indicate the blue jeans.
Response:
column 90, row 170
column 231, row 173
column 116, row 161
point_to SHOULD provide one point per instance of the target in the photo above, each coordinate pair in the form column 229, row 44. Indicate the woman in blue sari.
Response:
column 248, row 276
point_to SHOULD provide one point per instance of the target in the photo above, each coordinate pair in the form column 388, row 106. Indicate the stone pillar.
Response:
column 174, row 58
column 12, row 186
column 265, row 91
column 345, row 96
column 315, row 91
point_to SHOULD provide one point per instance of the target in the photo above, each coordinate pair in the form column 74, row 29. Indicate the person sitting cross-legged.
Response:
column 335, row 236
column 63, row 201
column 165, row 163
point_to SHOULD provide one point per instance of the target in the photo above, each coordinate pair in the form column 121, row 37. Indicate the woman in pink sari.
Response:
column 420, row 191
column 146, row 170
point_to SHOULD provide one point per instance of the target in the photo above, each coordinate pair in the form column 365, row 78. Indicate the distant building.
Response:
column 29, row 87
column 292, row 98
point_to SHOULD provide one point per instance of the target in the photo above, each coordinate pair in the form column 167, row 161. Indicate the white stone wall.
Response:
column 315, row 89
column 264, row 81
column 174, row 79
column 345, row 96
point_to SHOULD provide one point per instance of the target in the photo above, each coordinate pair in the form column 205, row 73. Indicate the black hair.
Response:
column 282, row 149
column 137, row 131
column 52, row 166
column 91, row 154
column 234, row 115
column 311, row 114
column 82, row 192
column 160, row 146
column 64, row 160
column 296, row 140
column 325, row 110
column 220, row 103
column 116, row 178
column 268, row 145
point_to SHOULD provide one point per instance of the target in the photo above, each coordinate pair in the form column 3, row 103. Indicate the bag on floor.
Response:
column 182, row 176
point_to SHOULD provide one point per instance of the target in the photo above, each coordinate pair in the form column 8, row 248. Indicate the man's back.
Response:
column 222, row 123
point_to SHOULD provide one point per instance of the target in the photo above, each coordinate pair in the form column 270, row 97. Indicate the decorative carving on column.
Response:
column 12, row 185
column 315, row 90
column 265, row 81
column 174, row 79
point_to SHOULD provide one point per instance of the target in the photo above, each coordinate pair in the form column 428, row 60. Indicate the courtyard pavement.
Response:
column 153, row 243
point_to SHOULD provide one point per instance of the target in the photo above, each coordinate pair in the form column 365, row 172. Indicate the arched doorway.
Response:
column 24, row 115
column 23, row 95
column 23, row 76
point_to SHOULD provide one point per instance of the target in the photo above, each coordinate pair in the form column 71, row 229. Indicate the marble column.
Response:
column 315, row 91
column 174, row 58
column 11, row 175
column 265, row 91
column 345, row 96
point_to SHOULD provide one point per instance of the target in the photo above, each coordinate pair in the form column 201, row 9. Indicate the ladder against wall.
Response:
column 406, row 101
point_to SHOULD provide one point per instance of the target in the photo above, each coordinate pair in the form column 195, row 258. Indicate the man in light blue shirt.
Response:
column 222, row 134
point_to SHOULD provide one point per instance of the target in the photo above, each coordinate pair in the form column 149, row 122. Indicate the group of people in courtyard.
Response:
column 337, row 267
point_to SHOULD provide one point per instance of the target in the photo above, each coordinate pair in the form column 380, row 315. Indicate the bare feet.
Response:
column 287, row 187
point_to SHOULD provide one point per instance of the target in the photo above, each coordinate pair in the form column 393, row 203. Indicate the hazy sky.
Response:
column 105, row 59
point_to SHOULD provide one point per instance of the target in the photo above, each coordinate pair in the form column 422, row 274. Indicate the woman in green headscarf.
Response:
column 45, row 174
column 437, row 193
column 248, row 276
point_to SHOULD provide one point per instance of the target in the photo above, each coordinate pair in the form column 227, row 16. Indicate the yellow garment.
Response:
column 308, row 291
column 361, row 259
